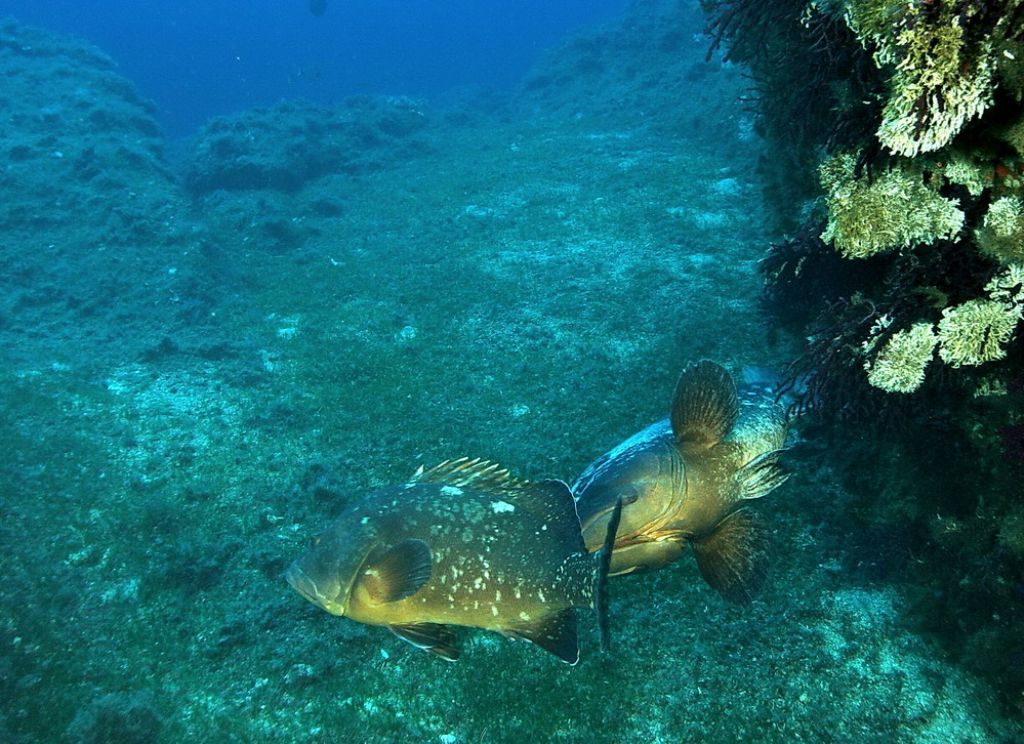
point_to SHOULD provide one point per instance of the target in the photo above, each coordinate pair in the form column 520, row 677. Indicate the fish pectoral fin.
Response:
column 555, row 633
column 705, row 405
column 734, row 558
column 433, row 637
column 399, row 573
column 760, row 476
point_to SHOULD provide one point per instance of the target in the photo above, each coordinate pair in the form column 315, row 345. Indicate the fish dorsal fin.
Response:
column 705, row 405
column 468, row 472
column 555, row 633
column 433, row 637
column 399, row 573
column 734, row 558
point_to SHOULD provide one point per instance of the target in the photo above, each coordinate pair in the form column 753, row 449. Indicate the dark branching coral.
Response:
column 802, row 273
column 829, row 95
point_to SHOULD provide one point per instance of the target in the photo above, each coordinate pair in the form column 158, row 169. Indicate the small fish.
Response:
column 464, row 543
column 687, row 480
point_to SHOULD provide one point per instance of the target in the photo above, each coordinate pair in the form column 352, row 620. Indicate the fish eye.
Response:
column 314, row 541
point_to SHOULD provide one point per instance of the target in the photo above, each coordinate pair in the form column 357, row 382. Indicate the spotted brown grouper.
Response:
column 464, row 543
column 687, row 480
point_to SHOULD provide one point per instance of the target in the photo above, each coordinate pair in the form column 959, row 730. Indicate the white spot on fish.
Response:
column 494, row 610
column 502, row 507
column 540, row 595
column 451, row 490
column 364, row 520
column 497, row 596
column 524, row 616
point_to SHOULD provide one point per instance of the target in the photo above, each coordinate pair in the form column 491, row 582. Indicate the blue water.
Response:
column 199, row 58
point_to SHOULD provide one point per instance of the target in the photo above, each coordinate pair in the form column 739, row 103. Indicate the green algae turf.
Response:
column 540, row 338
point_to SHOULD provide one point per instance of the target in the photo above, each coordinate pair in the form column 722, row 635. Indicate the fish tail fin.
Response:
column 604, row 560
column 734, row 558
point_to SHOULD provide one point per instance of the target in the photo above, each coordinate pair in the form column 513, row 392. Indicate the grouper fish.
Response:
column 462, row 544
column 687, row 480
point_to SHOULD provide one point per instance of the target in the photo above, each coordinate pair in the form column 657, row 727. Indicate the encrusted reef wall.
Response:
column 895, row 161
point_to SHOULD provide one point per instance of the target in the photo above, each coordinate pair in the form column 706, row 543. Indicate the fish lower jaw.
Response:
column 305, row 586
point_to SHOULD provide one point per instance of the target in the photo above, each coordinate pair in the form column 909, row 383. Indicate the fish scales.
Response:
column 526, row 566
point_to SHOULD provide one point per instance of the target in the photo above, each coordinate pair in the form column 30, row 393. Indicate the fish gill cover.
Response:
column 208, row 355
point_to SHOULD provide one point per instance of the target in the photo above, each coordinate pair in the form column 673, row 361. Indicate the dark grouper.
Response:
column 687, row 480
column 463, row 543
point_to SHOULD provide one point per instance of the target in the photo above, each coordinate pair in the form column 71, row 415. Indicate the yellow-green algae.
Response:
column 940, row 77
column 976, row 331
column 900, row 365
column 1001, row 234
column 969, row 334
column 895, row 210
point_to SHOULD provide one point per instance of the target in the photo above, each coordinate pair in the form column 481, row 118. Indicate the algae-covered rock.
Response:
column 923, row 172
column 71, row 119
column 284, row 146
column 98, row 239
column 120, row 717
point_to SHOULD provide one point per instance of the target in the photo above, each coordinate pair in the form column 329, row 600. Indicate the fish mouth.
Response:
column 304, row 585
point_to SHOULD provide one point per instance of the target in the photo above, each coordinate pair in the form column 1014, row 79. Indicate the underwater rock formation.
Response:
column 285, row 146
column 76, row 137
